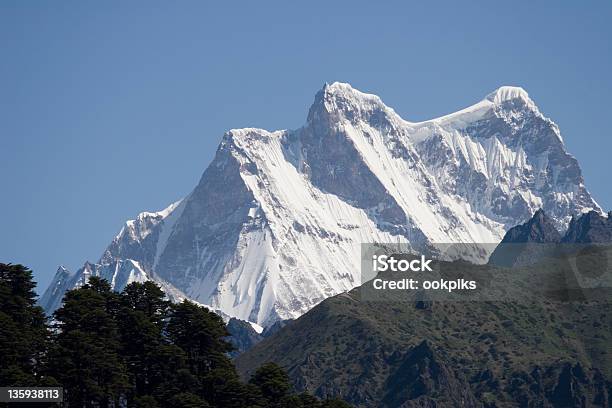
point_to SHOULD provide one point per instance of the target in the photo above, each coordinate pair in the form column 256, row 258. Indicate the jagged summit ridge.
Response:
column 275, row 224
column 339, row 96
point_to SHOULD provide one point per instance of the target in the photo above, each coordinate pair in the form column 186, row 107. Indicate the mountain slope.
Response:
column 275, row 224
column 472, row 354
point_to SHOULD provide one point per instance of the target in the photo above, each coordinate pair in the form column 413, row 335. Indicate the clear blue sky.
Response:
column 112, row 108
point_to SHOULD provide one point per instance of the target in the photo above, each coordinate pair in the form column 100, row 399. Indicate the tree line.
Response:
column 132, row 349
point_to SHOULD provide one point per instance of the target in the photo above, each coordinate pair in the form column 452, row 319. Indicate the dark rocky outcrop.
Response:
column 591, row 227
column 242, row 336
column 540, row 228
column 527, row 243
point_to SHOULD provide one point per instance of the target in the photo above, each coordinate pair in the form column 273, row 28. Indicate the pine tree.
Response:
column 23, row 330
column 273, row 382
column 157, row 368
column 85, row 355
column 140, row 326
column 232, row 393
column 147, row 298
column 201, row 334
column 306, row 400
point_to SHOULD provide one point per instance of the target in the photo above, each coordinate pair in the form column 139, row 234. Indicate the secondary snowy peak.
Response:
column 275, row 224
column 341, row 95
column 118, row 273
column 509, row 93
column 144, row 237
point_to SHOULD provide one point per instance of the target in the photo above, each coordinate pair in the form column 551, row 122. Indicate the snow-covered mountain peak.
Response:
column 346, row 91
column 138, row 228
column 245, row 137
column 511, row 103
column 512, row 98
column 339, row 101
column 508, row 93
column 275, row 223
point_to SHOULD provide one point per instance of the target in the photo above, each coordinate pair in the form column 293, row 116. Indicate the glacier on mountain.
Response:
column 275, row 224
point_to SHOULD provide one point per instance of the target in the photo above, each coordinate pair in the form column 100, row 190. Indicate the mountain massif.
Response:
column 275, row 224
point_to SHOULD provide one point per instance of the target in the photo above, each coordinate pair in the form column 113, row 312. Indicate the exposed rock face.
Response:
column 242, row 336
column 540, row 229
column 527, row 243
column 275, row 224
column 591, row 227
